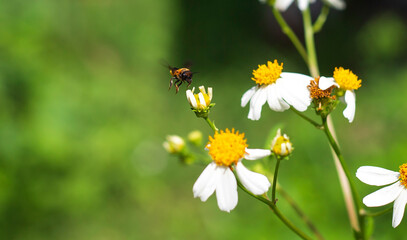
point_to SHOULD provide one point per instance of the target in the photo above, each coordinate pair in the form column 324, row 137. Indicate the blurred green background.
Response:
column 84, row 109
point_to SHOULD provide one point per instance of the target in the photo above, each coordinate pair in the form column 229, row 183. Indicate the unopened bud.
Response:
column 174, row 144
column 281, row 145
column 195, row 137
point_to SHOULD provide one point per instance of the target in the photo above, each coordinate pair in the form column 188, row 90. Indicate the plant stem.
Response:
column 317, row 125
column 309, row 42
column 299, row 212
column 319, row 23
column 290, row 34
column 355, row 196
column 370, row 214
column 273, row 192
column 211, row 124
column 277, row 212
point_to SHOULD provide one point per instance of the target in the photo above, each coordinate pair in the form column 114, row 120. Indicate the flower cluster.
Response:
column 282, row 90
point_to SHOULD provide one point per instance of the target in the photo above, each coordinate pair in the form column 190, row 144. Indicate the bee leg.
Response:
column 177, row 86
column 189, row 82
column 171, row 82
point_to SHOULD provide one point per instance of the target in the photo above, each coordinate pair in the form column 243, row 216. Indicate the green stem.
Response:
column 273, row 192
column 370, row 214
column 355, row 196
column 211, row 124
column 319, row 23
column 300, row 213
column 317, row 125
column 290, row 34
column 273, row 207
column 309, row 42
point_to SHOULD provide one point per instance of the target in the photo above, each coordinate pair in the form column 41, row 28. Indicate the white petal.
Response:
column 338, row 4
column 398, row 208
column 293, row 88
column 254, row 154
column 202, row 99
column 257, row 102
column 282, row 5
column 383, row 196
column 252, row 181
column 251, row 114
column 302, row 4
column 247, row 96
column 274, row 99
column 191, row 98
column 325, row 83
column 226, row 189
column 206, row 183
column 210, row 93
column 350, row 99
column 376, row 176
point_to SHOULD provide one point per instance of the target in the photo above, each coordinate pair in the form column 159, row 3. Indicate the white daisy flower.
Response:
column 396, row 192
column 280, row 89
column 282, row 5
column 228, row 148
column 347, row 82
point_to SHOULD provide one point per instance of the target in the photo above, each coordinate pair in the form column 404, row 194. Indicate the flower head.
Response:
column 281, row 145
column 227, row 149
column 321, row 91
column 347, row 82
column 346, row 79
column 174, row 144
column 267, row 74
column 280, row 89
column 396, row 192
column 200, row 102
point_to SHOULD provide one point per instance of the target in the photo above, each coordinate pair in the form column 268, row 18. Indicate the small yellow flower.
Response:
column 281, row 145
column 346, row 79
column 199, row 101
column 227, row 147
column 267, row 74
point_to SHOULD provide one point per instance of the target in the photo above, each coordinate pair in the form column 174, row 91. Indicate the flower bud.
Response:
column 195, row 137
column 281, row 145
column 200, row 102
column 174, row 144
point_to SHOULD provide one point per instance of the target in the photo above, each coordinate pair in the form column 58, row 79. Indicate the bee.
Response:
column 180, row 75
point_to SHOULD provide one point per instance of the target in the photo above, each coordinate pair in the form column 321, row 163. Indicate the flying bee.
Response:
column 180, row 75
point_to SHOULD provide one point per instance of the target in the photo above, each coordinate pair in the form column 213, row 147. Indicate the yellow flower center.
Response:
column 346, row 79
column 317, row 93
column 266, row 75
column 206, row 97
column 403, row 174
column 279, row 143
column 227, row 147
